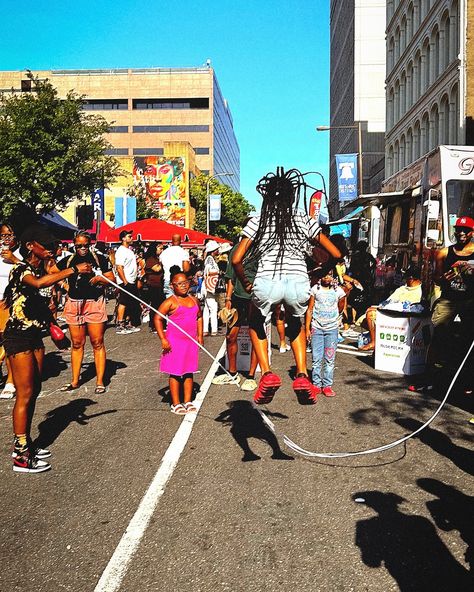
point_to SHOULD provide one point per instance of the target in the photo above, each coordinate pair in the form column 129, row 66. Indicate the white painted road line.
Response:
column 116, row 569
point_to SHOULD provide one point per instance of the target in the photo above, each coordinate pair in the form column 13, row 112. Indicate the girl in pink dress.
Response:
column 180, row 355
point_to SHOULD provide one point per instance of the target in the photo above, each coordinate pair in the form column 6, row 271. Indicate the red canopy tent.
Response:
column 158, row 230
column 104, row 230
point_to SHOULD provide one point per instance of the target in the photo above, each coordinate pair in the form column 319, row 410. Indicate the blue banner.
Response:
column 346, row 166
column 125, row 211
column 98, row 202
column 215, row 207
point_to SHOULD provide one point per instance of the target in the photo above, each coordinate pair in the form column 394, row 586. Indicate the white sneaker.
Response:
column 8, row 391
column 284, row 349
column 249, row 384
column 131, row 329
column 350, row 334
column 226, row 379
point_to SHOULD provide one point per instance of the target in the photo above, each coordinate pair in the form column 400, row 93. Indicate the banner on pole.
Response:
column 215, row 207
column 346, row 166
column 98, row 203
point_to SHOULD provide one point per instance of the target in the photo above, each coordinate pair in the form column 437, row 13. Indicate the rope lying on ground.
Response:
column 290, row 444
column 287, row 441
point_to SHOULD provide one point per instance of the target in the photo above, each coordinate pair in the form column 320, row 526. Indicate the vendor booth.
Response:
column 153, row 229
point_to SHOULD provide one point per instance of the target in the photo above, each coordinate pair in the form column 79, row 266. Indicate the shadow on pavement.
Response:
column 453, row 510
column 462, row 457
column 59, row 419
column 111, row 369
column 245, row 422
column 164, row 393
column 408, row 546
column 53, row 365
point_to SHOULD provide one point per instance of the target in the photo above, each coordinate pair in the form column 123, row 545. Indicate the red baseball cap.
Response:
column 465, row 222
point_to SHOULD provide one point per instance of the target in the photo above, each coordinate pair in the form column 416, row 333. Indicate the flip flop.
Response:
column 67, row 388
column 100, row 389
column 178, row 409
column 190, row 407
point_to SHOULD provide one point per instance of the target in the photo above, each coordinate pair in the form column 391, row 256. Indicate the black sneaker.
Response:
column 40, row 453
column 25, row 462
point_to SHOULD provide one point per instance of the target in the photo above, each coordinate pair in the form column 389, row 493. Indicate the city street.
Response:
column 399, row 520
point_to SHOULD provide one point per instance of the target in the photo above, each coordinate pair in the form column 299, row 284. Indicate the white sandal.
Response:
column 8, row 391
column 190, row 407
column 178, row 409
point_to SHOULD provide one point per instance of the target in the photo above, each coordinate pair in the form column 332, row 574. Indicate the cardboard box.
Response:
column 244, row 348
column 401, row 342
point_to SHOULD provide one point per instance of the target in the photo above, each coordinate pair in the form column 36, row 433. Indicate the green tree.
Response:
column 234, row 208
column 51, row 150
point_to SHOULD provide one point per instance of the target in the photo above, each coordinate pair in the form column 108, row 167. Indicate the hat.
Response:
column 211, row 246
column 225, row 248
column 229, row 316
column 465, row 222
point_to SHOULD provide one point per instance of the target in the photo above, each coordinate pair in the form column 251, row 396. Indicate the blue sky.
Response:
column 271, row 58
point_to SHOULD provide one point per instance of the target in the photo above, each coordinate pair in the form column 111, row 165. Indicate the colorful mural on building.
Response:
column 164, row 180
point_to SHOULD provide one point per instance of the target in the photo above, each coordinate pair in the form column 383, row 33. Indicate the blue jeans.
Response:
column 323, row 346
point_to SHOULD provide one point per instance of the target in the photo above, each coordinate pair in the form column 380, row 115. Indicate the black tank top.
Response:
column 461, row 286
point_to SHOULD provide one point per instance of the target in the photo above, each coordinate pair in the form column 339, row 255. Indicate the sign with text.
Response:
column 215, row 207
column 401, row 343
column 346, row 165
column 98, row 202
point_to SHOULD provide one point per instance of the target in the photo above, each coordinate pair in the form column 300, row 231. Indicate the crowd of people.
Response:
column 286, row 267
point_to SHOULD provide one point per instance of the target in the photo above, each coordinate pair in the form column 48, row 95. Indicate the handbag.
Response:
column 57, row 334
column 210, row 283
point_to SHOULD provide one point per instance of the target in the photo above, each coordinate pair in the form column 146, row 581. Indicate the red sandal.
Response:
column 267, row 387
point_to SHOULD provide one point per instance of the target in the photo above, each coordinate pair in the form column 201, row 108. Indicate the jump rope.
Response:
column 287, row 441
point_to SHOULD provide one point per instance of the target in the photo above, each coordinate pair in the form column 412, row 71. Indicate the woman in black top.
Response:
column 85, row 309
column 154, row 279
column 29, row 316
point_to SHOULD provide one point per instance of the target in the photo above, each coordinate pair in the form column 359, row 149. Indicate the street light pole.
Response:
column 207, row 195
column 358, row 127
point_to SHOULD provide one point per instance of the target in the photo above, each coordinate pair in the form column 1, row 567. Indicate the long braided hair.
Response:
column 281, row 194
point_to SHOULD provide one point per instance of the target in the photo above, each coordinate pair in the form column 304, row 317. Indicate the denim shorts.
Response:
column 291, row 290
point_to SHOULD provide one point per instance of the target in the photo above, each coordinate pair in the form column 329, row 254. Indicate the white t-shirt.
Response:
column 296, row 247
column 326, row 309
column 5, row 269
column 174, row 255
column 127, row 259
column 407, row 294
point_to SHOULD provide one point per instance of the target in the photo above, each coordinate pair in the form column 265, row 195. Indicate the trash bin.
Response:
column 401, row 342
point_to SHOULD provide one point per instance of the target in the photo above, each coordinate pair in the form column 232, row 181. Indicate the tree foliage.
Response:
column 51, row 150
column 234, row 208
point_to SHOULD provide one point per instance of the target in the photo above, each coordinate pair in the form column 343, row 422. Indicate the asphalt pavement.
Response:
column 238, row 511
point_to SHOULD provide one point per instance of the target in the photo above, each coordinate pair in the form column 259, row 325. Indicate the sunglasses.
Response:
column 81, row 247
column 182, row 284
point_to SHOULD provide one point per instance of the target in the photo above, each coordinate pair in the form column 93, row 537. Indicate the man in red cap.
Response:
column 453, row 274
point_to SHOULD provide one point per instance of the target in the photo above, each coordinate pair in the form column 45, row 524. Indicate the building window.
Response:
column 148, row 151
column 118, row 129
column 105, row 105
column 193, row 103
column 117, row 152
column 201, row 150
column 154, row 129
column 26, row 85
